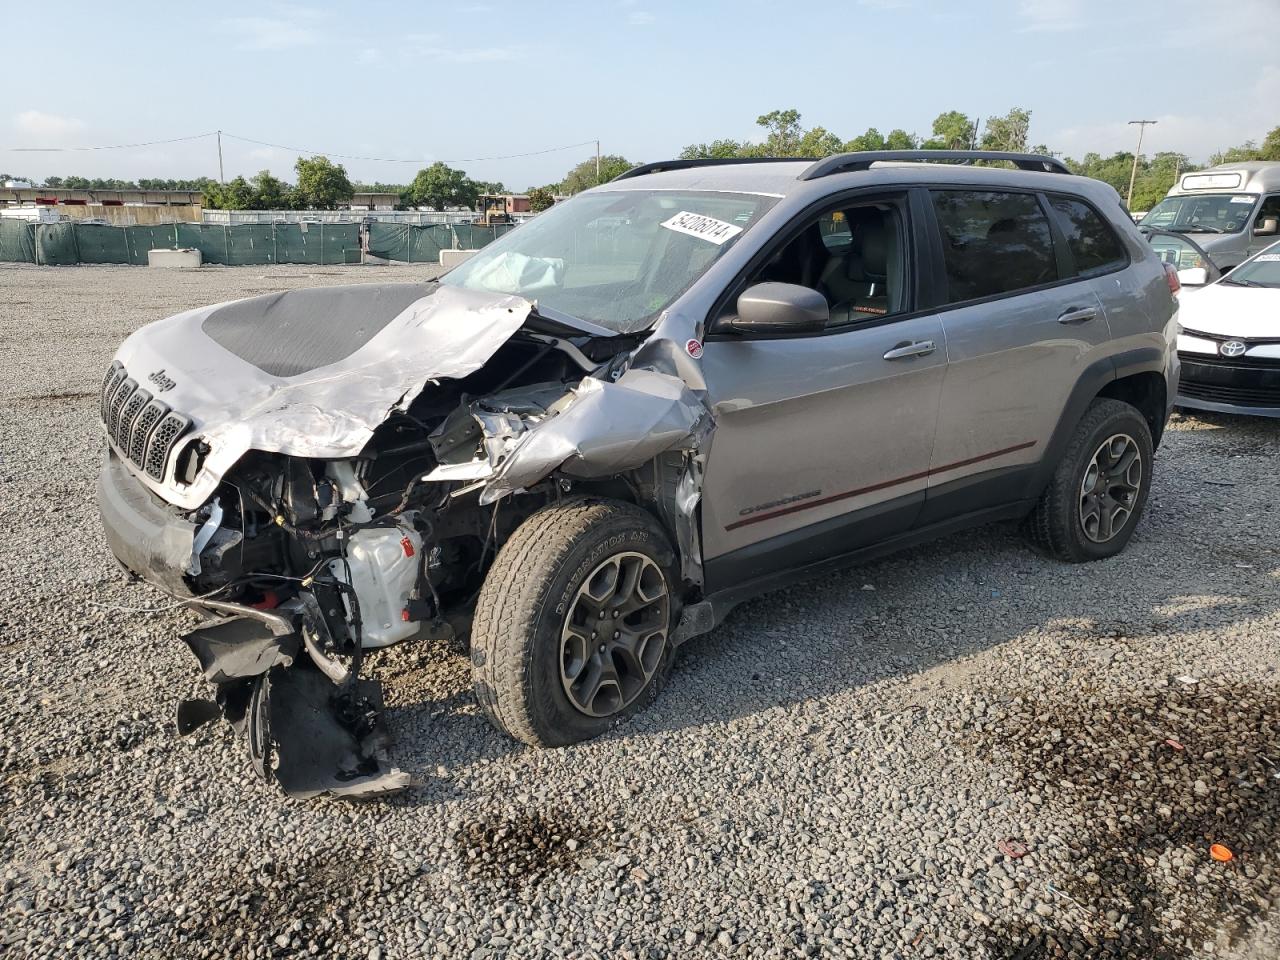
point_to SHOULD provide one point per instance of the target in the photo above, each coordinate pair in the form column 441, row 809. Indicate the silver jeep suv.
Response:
column 590, row 441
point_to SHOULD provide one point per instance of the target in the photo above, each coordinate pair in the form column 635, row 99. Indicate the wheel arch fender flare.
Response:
column 1095, row 379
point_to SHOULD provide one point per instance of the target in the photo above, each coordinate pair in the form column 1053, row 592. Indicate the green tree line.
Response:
column 322, row 184
column 785, row 136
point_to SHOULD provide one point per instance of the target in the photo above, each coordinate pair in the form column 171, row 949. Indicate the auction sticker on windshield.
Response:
column 705, row 228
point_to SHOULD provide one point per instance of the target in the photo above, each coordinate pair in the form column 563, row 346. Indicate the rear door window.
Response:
column 993, row 243
column 1091, row 240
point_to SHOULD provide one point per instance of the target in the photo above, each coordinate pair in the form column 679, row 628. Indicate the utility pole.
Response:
column 1133, row 174
column 597, row 163
column 221, row 178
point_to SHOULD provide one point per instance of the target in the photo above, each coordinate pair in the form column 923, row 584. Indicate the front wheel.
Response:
column 1096, row 495
column 572, row 629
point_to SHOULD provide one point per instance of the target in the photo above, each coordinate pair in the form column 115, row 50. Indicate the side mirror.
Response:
column 1267, row 227
column 1193, row 277
column 781, row 308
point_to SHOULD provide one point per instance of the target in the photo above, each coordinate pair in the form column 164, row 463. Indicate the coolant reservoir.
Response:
column 384, row 565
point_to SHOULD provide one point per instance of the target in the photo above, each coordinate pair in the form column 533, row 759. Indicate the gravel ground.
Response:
column 830, row 773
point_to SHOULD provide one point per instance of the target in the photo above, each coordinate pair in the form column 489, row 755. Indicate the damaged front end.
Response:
column 324, row 499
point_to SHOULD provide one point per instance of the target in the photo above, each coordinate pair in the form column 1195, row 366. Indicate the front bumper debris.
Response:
column 149, row 539
column 306, row 733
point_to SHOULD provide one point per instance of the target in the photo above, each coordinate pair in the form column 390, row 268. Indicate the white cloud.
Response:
column 639, row 18
column 270, row 33
column 271, row 155
column 46, row 126
column 1051, row 16
column 432, row 46
column 480, row 54
column 1250, row 117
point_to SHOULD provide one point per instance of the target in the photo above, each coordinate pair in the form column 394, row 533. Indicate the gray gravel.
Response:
column 830, row 773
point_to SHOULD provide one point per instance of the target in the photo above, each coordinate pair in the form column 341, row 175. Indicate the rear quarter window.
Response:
column 1092, row 241
column 993, row 243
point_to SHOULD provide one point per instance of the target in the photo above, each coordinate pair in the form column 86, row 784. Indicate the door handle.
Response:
column 906, row 349
column 1078, row 315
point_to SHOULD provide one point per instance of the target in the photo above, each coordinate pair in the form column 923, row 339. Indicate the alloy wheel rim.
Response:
column 614, row 634
column 1110, row 487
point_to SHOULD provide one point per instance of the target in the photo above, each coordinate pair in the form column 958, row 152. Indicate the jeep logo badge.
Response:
column 1232, row 348
column 162, row 382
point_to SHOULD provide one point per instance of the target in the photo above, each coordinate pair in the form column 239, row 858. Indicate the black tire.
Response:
column 518, row 648
column 1057, row 525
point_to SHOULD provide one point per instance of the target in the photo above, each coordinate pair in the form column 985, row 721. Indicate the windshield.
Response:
column 616, row 258
column 1202, row 213
column 1262, row 271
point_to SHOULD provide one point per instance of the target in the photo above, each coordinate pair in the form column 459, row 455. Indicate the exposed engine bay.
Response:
column 306, row 560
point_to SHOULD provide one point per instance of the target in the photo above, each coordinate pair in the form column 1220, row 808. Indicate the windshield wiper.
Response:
column 1197, row 228
column 1242, row 283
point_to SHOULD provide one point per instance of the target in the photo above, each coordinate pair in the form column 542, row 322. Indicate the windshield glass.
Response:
column 617, row 258
column 1262, row 271
column 1202, row 213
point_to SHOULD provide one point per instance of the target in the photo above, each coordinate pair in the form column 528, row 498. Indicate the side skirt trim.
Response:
column 721, row 602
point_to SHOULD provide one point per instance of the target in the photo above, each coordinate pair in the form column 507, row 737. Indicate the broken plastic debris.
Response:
column 1011, row 848
column 471, row 470
column 1220, row 853
column 1059, row 892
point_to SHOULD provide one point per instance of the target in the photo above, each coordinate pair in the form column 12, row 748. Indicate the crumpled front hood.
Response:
column 309, row 373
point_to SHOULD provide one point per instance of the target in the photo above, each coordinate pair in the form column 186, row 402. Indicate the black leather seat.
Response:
column 857, row 283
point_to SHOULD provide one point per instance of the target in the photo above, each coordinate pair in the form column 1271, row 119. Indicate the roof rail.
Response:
column 850, row 162
column 659, row 165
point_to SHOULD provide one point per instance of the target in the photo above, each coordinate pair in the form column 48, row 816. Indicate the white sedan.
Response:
column 1229, row 342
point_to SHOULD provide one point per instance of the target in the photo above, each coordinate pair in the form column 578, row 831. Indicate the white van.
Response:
column 1232, row 210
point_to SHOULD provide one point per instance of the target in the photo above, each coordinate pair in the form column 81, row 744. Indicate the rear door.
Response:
column 822, row 441
column 1021, row 324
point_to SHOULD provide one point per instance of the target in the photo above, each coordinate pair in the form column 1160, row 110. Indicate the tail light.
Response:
column 1171, row 275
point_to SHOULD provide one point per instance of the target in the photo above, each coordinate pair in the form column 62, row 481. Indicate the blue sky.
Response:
column 460, row 80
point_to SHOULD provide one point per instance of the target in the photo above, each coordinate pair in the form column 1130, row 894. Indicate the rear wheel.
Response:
column 1096, row 495
column 572, row 629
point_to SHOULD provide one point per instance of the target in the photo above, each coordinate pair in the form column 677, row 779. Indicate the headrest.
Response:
column 1001, row 227
column 868, row 253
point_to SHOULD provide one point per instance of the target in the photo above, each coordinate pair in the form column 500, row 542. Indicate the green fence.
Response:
column 17, row 241
column 412, row 243
column 68, row 242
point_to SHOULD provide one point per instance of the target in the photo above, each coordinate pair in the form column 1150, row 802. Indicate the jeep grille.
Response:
column 139, row 426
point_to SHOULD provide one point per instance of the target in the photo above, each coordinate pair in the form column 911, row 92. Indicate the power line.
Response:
column 347, row 156
column 113, row 146
column 280, row 146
